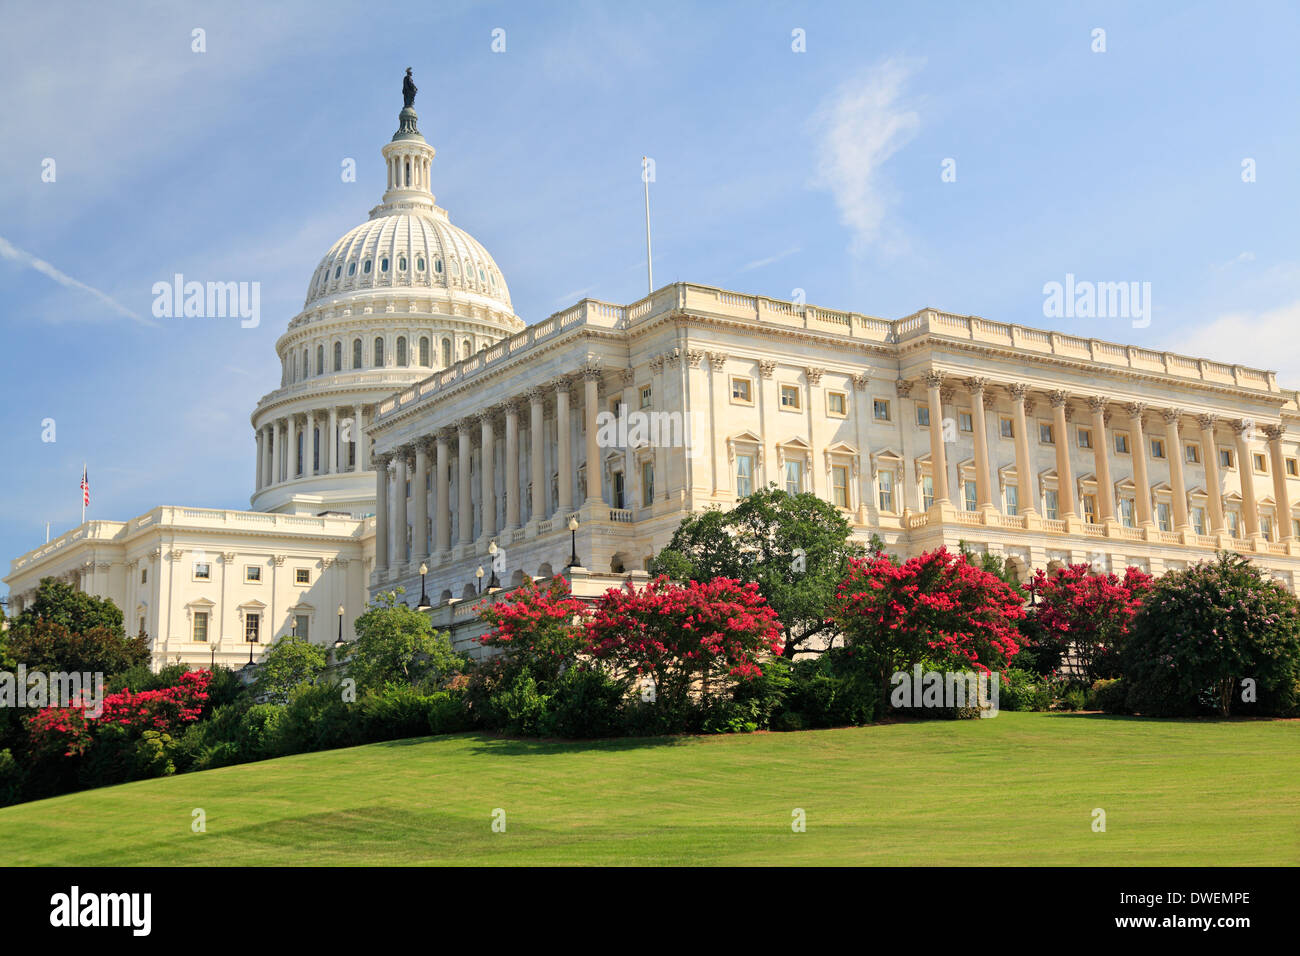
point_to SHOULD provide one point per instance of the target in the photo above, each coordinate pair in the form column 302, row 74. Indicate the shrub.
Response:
column 1109, row 695
column 1203, row 632
column 446, row 712
column 152, row 756
column 317, row 718
column 397, row 646
column 1089, row 613
column 832, row 690
column 518, row 708
column 11, row 779
column 1023, row 690
column 259, row 732
column 288, row 662
column 585, row 702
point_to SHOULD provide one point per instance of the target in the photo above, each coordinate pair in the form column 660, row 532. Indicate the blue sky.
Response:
column 776, row 170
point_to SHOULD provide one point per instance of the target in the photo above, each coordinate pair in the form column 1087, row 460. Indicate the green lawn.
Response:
column 1017, row 789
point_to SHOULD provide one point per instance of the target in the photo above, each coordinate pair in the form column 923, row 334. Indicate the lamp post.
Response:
column 340, row 640
column 493, row 583
column 479, row 582
column 573, row 541
column 424, row 604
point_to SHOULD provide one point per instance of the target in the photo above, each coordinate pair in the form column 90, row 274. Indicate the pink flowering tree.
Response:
column 539, row 628
column 1088, row 613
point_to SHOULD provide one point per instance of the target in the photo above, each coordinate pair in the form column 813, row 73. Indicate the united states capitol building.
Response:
column 419, row 422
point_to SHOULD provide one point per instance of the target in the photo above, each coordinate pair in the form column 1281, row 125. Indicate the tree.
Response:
column 937, row 608
column 60, row 603
column 1203, row 632
column 50, row 646
column 1091, row 613
column 715, row 631
column 288, row 662
column 796, row 548
column 396, row 646
column 536, row 628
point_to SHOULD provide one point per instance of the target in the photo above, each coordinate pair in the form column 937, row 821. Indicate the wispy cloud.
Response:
column 14, row 254
column 760, row 263
column 859, row 128
column 1250, row 338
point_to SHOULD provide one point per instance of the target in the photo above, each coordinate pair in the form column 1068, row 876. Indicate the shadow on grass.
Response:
column 498, row 745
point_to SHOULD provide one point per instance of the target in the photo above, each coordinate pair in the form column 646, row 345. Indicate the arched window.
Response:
column 379, row 353
column 320, row 360
column 466, row 349
column 455, row 267
column 356, row 353
column 437, row 265
column 401, row 351
column 424, row 351
column 366, row 267
column 383, row 264
column 446, row 353
column 352, row 268
column 401, row 263
column 419, row 263
column 338, row 271
column 338, row 356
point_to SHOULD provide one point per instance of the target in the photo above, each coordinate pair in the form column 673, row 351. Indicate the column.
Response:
column 1213, row 490
column 1177, row 483
column 420, row 547
column 261, row 459
column 1024, row 476
column 381, row 517
column 362, row 439
column 272, row 451
column 1142, row 486
column 590, row 408
column 983, row 491
column 399, row 532
column 488, row 493
column 1064, row 472
column 512, row 465
column 938, row 455
column 537, row 408
column 443, row 480
column 464, row 502
column 1282, row 511
column 1101, row 460
column 565, row 454
column 292, row 451
column 1246, row 470
column 309, row 446
column 332, row 443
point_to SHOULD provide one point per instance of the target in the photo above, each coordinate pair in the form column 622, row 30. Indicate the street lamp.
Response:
column 573, row 540
column 493, row 583
column 479, row 575
column 424, row 604
column 339, row 642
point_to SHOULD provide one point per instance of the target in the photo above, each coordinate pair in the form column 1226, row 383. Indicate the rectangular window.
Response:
column 970, row 496
column 1295, row 533
column 1225, row 457
column 1045, row 436
column 840, row 485
column 1012, row 496
column 964, row 422
column 1266, row 527
column 252, row 628
column 144, row 575
column 744, row 475
column 885, row 483
column 1090, row 509
column 201, row 627
column 1126, row 518
column 793, row 477
column 790, row 396
column 742, row 391
column 202, row 572
column 1192, row 453
column 647, row 395
column 647, row 483
column 1121, row 443
column 619, row 488
column 923, row 416
column 1157, row 448
column 253, row 574
column 1163, row 518
column 1198, row 520
column 1006, row 427
column 301, row 576
column 880, row 409
column 1084, row 437
column 1292, row 468
column 927, row 492
column 837, row 404
column 1234, row 523
column 1051, row 507
column 300, row 627
column 1261, row 463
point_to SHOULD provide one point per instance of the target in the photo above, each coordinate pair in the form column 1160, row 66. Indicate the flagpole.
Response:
column 649, row 266
column 83, row 492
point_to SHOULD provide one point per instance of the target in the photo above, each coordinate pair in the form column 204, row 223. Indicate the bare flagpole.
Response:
column 649, row 266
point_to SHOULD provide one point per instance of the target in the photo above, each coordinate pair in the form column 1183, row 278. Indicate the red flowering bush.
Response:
column 537, row 628
column 677, row 633
column 1089, row 613
column 938, row 608
column 54, row 731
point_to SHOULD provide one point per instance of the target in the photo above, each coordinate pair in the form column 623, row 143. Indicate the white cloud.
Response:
column 14, row 254
column 859, row 128
column 760, row 263
column 1251, row 339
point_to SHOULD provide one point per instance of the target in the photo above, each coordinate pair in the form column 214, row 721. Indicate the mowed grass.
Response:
column 1017, row 789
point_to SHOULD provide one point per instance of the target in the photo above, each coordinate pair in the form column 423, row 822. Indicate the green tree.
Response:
column 50, row 646
column 796, row 548
column 398, row 646
column 60, row 603
column 288, row 662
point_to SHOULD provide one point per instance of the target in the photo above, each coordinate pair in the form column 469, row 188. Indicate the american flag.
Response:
column 85, row 487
